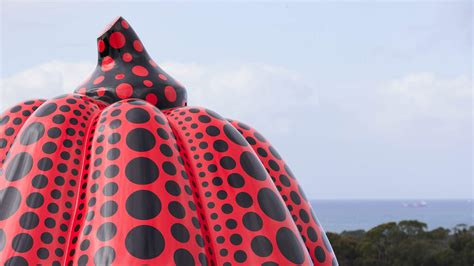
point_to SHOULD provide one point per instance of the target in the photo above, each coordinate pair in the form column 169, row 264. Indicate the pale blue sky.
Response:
column 363, row 100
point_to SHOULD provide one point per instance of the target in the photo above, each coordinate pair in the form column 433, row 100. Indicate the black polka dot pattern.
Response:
column 243, row 209
column 300, row 209
column 11, row 121
column 125, row 70
column 146, row 203
column 144, row 180
column 43, row 168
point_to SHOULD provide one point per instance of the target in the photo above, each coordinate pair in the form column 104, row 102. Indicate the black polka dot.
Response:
column 39, row 181
column 262, row 152
column 182, row 257
column 53, row 208
column 271, row 204
column 270, row 263
column 234, row 135
column 312, row 235
column 29, row 220
column 240, row 256
column 140, row 139
column 46, row 109
column 3, row 143
column 320, row 254
column 145, row 242
column 173, row 188
column 104, row 256
column 273, row 165
column 285, row 180
column 32, row 133
column 83, row 260
column 235, row 180
column 274, row 153
column 252, row 221
column 19, row 166
column 106, row 231
column 220, row 146
column 261, row 246
column 114, row 138
column 22, row 242
column 87, row 230
column 59, row 119
column 295, row 197
column 252, row 166
column 111, row 171
column 137, row 115
column 42, row 253
column 136, row 208
column 251, row 140
column 46, row 238
column 227, row 163
column 204, row 119
column 45, row 164
column 54, row 132
column 114, row 124
column 202, row 259
column 180, row 233
column 160, row 119
column 141, row 171
column 10, row 199
column 244, row 200
column 214, row 114
column 166, row 150
column 85, row 245
column 113, row 154
column 176, row 209
column 49, row 147
column 227, row 208
column 4, row 120
column 162, row 133
column 231, row 223
column 304, row 216
column 3, row 239
column 290, row 246
column 212, row 131
column 16, row 261
column 169, row 168
column 116, row 112
column 199, row 239
column 236, row 239
column 109, row 208
column 59, row 252
column 110, row 189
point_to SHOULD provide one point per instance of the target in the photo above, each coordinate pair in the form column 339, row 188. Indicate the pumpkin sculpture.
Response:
column 122, row 172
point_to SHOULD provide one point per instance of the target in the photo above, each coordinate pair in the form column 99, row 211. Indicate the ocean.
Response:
column 339, row 215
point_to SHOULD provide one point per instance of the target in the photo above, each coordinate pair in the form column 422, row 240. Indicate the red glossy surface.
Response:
column 107, row 181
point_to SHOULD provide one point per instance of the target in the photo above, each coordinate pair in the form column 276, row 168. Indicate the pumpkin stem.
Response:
column 119, row 40
column 125, row 70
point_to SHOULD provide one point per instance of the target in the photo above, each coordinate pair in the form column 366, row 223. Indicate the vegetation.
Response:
column 405, row 243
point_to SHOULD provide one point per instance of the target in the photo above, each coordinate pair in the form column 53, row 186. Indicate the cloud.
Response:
column 420, row 98
column 236, row 91
column 274, row 99
column 245, row 91
column 42, row 82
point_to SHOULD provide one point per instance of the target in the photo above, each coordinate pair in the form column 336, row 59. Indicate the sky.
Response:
column 364, row 100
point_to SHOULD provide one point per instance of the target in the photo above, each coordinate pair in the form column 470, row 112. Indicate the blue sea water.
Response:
column 340, row 215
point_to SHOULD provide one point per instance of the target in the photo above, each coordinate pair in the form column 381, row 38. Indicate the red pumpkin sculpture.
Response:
column 122, row 172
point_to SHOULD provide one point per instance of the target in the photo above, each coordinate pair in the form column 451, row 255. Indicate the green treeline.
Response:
column 405, row 243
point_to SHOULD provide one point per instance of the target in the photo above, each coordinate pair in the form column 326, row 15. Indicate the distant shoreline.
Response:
column 401, row 199
column 404, row 243
column 337, row 215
